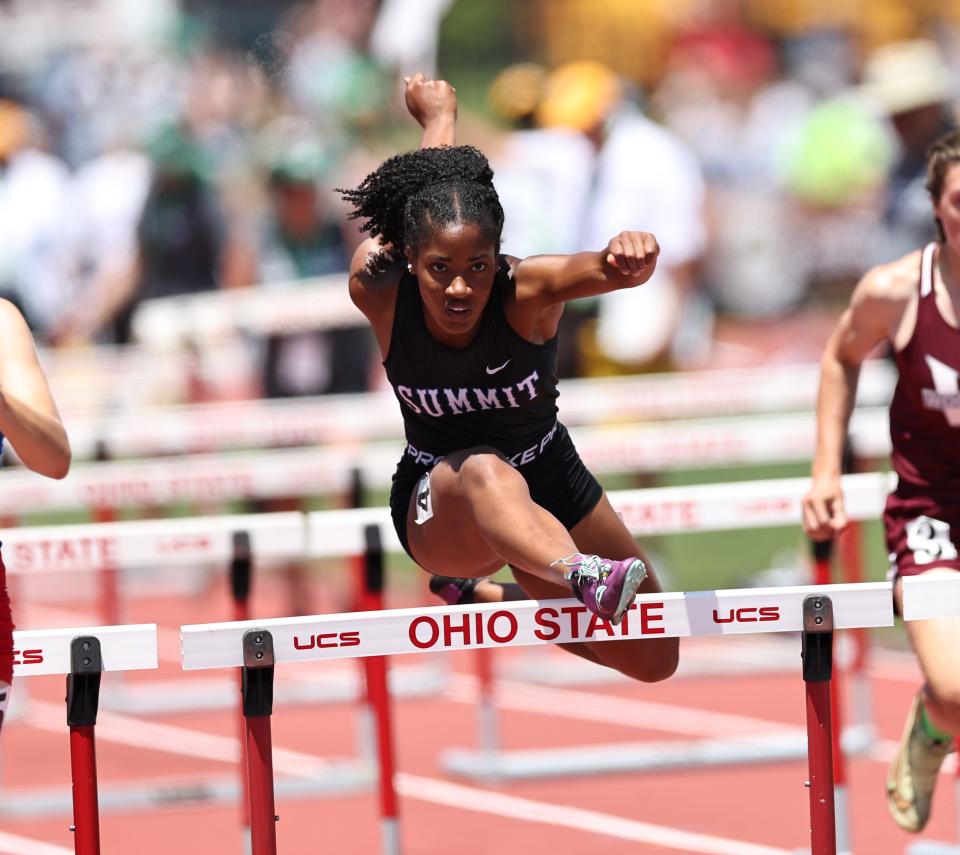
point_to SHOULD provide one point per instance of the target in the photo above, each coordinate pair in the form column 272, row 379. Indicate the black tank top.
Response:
column 925, row 411
column 500, row 390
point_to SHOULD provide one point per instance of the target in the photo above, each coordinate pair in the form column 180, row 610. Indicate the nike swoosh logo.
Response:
column 498, row 368
column 601, row 590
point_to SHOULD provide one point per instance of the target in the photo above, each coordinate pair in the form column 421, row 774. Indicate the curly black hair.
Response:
column 412, row 194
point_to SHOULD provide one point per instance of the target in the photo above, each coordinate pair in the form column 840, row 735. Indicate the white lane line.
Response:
column 179, row 740
column 14, row 844
column 612, row 709
column 167, row 738
column 579, row 819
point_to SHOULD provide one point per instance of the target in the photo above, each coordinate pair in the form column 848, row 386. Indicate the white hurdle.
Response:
column 443, row 628
column 115, row 548
column 434, row 629
column 658, row 510
column 299, row 472
column 720, row 396
column 83, row 654
column 127, row 648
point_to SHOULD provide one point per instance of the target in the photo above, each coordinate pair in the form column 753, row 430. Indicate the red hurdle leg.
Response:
column 258, row 745
column 378, row 697
column 822, row 554
column 817, row 668
column 83, row 699
column 83, row 771
column 257, row 671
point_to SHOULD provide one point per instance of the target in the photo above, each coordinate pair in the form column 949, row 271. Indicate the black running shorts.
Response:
column 558, row 482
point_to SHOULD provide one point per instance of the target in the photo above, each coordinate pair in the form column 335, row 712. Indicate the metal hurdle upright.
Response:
column 83, row 654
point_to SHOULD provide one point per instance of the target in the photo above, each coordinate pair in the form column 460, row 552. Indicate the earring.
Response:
column 410, row 268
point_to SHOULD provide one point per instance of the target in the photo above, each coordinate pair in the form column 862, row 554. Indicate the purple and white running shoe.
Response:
column 605, row 587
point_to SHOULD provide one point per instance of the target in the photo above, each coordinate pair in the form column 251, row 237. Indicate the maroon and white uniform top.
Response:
column 925, row 411
column 922, row 516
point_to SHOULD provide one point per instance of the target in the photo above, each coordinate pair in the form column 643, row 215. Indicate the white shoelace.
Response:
column 587, row 565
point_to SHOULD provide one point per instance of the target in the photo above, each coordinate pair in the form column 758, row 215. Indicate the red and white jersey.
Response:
column 925, row 411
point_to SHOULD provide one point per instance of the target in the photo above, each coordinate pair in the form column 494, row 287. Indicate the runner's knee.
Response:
column 483, row 471
column 660, row 663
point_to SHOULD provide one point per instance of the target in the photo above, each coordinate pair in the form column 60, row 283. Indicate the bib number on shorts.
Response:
column 930, row 540
column 424, row 503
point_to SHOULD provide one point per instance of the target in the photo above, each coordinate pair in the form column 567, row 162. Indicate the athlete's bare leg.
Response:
column 455, row 547
column 936, row 643
column 603, row 532
column 483, row 518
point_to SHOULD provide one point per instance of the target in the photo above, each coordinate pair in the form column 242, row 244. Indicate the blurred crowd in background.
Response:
column 776, row 149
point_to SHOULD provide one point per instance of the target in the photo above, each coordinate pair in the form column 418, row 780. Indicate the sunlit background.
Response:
column 171, row 230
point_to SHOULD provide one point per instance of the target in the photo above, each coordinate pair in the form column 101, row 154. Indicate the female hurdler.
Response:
column 30, row 423
column 469, row 342
column 914, row 305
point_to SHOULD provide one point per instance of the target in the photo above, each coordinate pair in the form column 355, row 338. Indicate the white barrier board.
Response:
column 376, row 415
column 307, row 471
column 47, row 651
column 444, row 628
column 662, row 510
column 151, row 543
column 322, row 534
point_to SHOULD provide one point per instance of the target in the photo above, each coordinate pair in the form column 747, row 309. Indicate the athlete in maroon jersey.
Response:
column 30, row 422
column 914, row 304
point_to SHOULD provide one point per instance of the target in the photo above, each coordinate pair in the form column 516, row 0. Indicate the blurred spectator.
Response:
column 723, row 94
column 910, row 83
column 331, row 75
column 643, row 178
column 300, row 237
column 107, row 197
column 835, row 167
column 182, row 242
column 33, row 214
column 543, row 177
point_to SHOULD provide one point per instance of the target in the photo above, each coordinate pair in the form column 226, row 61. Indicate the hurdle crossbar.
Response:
column 309, row 471
column 662, row 510
column 47, row 651
column 166, row 543
column 344, row 421
column 179, row 429
column 531, row 622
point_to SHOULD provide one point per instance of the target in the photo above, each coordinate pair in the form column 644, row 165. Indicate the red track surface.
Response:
column 731, row 809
